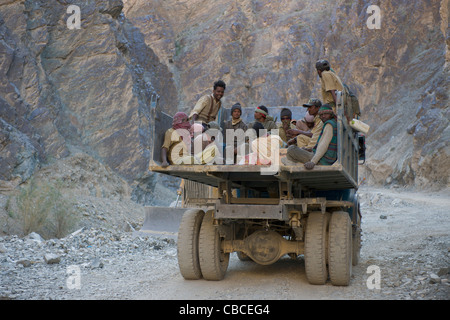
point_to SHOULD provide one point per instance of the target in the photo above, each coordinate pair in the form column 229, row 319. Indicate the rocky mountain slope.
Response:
column 90, row 88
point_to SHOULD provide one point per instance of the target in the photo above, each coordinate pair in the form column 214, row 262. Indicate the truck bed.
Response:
column 320, row 178
column 341, row 175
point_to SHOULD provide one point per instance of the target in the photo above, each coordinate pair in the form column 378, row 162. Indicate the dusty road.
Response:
column 406, row 237
column 406, row 241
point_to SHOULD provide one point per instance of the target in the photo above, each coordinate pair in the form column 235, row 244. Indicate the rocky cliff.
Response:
column 87, row 87
column 90, row 87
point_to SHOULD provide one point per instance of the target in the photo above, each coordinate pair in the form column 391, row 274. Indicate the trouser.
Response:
column 205, row 157
column 297, row 154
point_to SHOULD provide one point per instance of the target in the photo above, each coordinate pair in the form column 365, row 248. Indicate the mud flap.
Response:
column 162, row 221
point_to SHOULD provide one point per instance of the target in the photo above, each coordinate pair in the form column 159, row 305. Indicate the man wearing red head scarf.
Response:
column 177, row 141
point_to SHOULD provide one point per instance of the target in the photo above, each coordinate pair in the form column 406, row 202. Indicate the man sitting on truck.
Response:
column 177, row 141
column 180, row 145
column 234, row 124
column 207, row 107
column 308, row 139
column 325, row 152
column 284, row 130
column 262, row 115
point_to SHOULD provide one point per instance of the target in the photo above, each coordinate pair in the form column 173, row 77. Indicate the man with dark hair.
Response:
column 262, row 116
column 234, row 124
column 208, row 106
column 325, row 151
column 283, row 129
column 309, row 140
column 330, row 83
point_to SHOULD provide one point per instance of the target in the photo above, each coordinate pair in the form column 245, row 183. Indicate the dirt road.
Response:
column 406, row 242
column 405, row 237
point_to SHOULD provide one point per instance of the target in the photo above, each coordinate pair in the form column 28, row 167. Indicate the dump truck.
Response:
column 263, row 217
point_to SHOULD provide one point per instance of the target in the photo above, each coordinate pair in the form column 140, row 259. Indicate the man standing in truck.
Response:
column 330, row 83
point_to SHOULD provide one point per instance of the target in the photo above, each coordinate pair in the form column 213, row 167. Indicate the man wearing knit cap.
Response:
column 262, row 115
column 236, row 121
column 234, row 124
column 325, row 152
column 283, row 129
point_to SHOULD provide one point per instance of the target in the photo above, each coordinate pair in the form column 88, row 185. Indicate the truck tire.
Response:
column 356, row 241
column 340, row 248
column 315, row 248
column 213, row 262
column 187, row 244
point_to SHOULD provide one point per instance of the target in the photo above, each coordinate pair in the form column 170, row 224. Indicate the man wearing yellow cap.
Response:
column 308, row 141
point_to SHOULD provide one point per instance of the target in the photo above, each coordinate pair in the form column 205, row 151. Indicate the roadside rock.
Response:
column 52, row 258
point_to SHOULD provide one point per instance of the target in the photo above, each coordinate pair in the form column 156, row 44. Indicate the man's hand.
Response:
column 293, row 132
column 194, row 118
column 292, row 141
column 309, row 165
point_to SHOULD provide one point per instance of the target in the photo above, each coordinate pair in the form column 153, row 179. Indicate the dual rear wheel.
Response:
column 199, row 247
column 328, row 248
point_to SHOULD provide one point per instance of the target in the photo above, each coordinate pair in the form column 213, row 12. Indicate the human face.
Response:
column 286, row 120
column 313, row 110
column 218, row 93
column 236, row 114
column 325, row 116
column 258, row 116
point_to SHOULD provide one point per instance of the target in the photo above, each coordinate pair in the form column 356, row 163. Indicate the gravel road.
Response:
column 406, row 242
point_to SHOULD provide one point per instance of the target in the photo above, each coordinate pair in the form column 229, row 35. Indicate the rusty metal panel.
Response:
column 245, row 211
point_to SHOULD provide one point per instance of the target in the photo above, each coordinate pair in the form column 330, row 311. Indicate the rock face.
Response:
column 88, row 87
column 91, row 87
column 266, row 51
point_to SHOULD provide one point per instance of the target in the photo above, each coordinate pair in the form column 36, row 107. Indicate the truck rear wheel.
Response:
column 187, row 244
column 213, row 261
column 315, row 248
column 356, row 240
column 340, row 248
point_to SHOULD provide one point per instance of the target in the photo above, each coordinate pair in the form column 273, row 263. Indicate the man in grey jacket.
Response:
column 234, row 124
